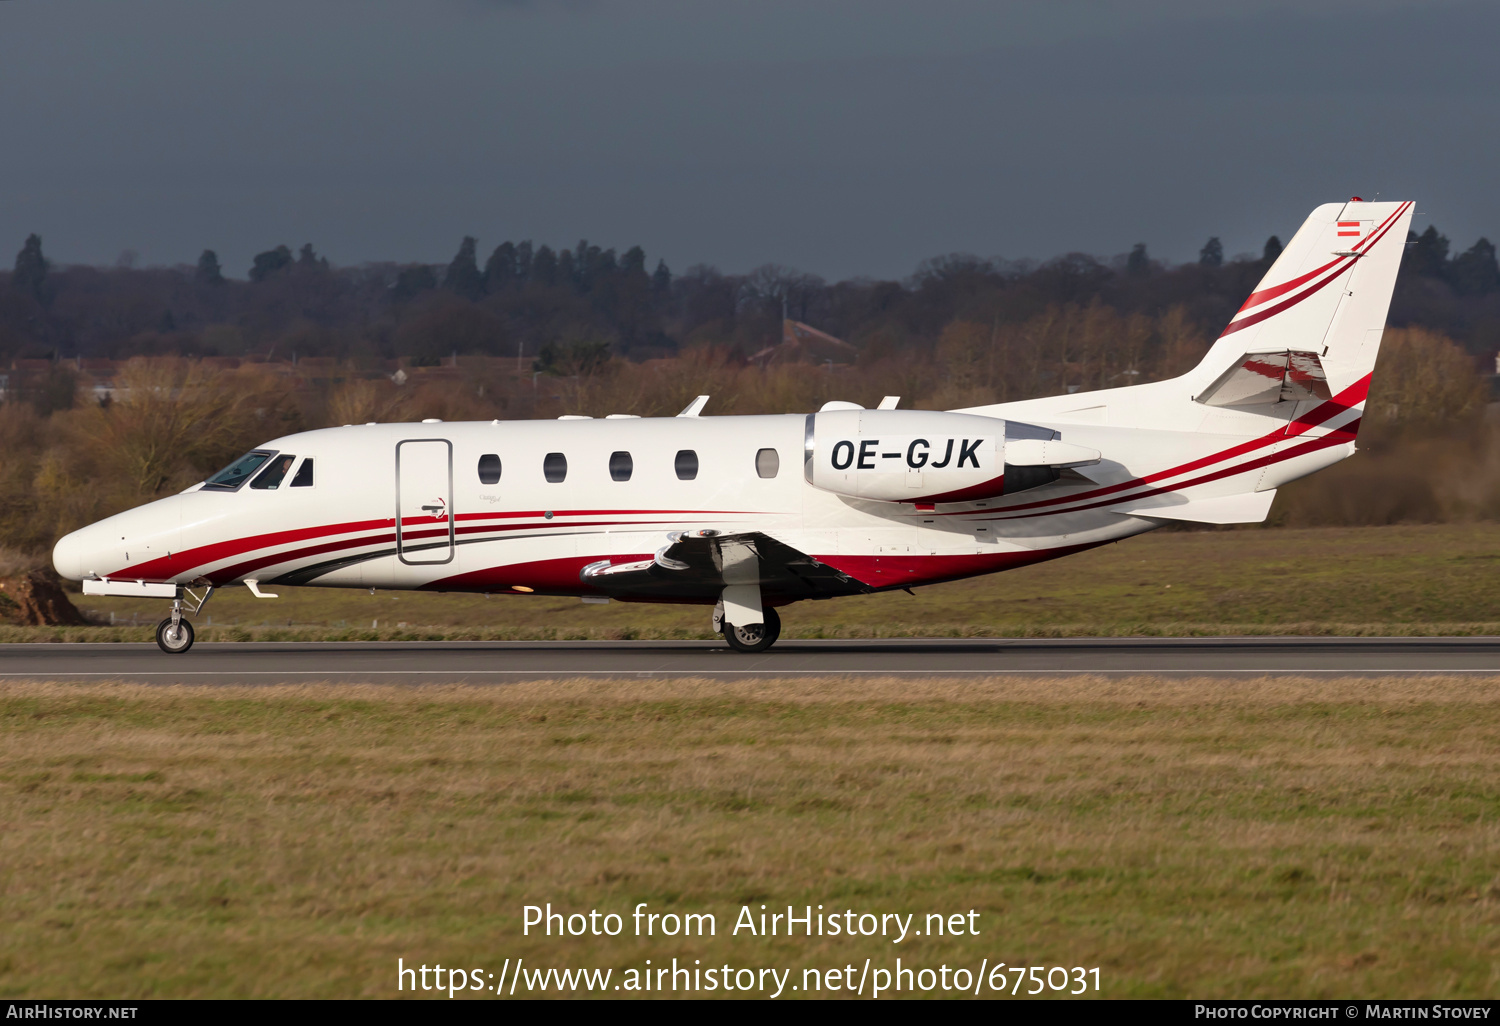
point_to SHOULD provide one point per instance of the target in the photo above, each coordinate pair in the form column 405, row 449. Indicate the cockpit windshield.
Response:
column 237, row 473
column 275, row 472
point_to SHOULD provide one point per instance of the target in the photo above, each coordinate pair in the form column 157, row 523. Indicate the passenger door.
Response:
column 424, row 501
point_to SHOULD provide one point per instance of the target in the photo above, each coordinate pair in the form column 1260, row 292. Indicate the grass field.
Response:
column 1427, row 579
column 1328, row 837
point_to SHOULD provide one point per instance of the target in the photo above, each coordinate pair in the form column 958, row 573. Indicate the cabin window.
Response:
column 686, row 464
column 237, row 473
column 304, row 478
column 767, row 462
column 274, row 473
column 489, row 469
column 620, row 466
column 555, row 467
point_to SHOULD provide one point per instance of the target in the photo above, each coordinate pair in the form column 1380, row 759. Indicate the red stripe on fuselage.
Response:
column 1339, row 437
column 189, row 560
column 232, row 573
column 1341, row 403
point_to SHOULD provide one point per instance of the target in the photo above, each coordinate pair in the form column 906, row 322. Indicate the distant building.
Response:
column 802, row 343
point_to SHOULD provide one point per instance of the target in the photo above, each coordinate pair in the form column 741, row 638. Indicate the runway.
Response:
column 505, row 662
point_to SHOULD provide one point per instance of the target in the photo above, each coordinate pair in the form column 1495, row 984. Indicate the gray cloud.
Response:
column 843, row 136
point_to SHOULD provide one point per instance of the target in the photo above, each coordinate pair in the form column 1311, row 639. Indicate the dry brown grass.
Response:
column 1191, row 837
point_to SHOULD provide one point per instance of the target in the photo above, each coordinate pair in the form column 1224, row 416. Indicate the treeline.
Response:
column 1428, row 453
column 566, row 306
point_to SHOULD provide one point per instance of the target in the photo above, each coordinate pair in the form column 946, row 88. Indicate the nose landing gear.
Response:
column 174, row 635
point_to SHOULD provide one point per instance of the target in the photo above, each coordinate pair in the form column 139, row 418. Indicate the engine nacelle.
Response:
column 931, row 456
column 905, row 455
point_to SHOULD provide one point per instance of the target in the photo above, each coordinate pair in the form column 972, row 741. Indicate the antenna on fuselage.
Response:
column 695, row 407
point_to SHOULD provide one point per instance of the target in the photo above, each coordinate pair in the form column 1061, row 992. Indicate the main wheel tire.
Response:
column 174, row 642
column 757, row 637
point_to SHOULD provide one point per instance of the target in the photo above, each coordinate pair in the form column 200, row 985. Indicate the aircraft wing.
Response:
column 697, row 565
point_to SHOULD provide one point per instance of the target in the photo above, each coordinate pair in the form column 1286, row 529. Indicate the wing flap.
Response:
column 698, row 565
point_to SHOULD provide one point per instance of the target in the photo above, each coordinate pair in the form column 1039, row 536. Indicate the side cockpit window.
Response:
column 237, row 473
column 304, row 478
column 275, row 472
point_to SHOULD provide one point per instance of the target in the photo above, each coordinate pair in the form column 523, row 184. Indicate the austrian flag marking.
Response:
column 1350, row 229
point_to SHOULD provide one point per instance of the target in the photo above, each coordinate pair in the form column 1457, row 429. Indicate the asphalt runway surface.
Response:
column 497, row 662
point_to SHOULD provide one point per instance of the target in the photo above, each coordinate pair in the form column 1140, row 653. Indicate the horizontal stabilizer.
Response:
column 1036, row 452
column 1247, row 508
column 1279, row 376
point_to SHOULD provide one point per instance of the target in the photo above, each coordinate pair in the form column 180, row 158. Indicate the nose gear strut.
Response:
column 174, row 635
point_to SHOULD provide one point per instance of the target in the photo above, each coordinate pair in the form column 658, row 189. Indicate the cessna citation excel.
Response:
column 747, row 514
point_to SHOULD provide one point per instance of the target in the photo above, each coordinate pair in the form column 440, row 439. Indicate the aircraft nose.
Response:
column 68, row 555
column 143, row 537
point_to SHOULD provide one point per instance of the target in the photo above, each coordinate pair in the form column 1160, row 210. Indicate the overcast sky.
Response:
column 841, row 137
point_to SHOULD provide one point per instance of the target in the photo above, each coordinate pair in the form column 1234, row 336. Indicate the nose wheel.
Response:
column 174, row 638
column 174, row 635
column 757, row 637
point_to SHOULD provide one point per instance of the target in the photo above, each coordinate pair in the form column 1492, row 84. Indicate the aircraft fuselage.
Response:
column 525, row 506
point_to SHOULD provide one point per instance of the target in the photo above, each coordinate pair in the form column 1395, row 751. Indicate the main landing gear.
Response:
column 742, row 601
column 757, row 637
column 174, row 635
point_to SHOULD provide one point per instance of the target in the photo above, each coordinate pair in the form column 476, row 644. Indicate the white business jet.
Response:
column 747, row 514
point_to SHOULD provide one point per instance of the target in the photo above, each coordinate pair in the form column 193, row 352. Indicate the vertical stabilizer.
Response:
column 1327, row 293
column 1294, row 362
